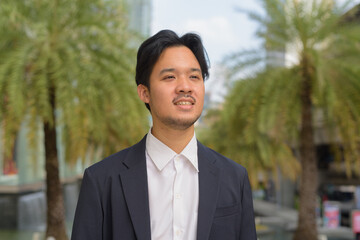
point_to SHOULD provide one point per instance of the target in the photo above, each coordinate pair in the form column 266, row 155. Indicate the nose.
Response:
column 183, row 85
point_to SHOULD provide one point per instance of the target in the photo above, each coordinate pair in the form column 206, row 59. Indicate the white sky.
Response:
column 222, row 28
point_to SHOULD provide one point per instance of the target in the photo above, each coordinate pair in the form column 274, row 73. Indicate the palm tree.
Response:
column 240, row 131
column 278, row 107
column 68, row 64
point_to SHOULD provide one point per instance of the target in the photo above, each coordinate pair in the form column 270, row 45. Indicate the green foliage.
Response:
column 257, row 124
column 79, row 50
column 261, row 117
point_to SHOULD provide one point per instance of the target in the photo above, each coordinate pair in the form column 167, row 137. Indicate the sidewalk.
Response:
column 286, row 218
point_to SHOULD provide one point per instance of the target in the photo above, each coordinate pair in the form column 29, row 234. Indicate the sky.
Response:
column 223, row 29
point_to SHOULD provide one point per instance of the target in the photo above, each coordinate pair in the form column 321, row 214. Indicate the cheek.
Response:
column 201, row 94
column 200, row 87
column 159, row 98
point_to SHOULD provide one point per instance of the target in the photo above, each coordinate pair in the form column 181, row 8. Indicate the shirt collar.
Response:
column 161, row 154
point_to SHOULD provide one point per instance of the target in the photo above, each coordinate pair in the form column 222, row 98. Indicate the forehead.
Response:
column 177, row 57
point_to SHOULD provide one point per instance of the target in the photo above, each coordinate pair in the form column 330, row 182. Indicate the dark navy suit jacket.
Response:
column 114, row 204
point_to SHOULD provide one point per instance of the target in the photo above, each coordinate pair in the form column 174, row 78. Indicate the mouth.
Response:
column 184, row 99
column 184, row 103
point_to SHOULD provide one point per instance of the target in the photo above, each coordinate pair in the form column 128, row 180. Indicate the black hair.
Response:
column 151, row 49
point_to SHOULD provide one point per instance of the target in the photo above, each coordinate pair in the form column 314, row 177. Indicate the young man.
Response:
column 168, row 186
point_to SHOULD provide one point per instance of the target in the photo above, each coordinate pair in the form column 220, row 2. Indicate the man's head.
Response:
column 170, row 75
column 151, row 49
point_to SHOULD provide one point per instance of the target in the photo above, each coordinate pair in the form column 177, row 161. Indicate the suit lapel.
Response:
column 135, row 187
column 209, row 177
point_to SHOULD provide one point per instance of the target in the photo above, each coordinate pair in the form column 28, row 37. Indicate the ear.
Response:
column 143, row 93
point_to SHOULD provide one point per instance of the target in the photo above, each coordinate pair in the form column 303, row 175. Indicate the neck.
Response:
column 174, row 139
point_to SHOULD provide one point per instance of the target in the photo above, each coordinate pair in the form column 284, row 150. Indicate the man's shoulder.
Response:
column 109, row 165
column 114, row 162
column 112, row 159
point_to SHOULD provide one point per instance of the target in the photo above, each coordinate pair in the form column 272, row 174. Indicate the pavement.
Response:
column 270, row 214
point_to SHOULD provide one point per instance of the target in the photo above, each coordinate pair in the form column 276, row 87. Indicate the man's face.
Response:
column 176, row 94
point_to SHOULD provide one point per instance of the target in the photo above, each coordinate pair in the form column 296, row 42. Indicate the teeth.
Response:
column 184, row 103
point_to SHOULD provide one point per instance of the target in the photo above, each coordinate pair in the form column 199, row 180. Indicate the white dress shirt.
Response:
column 173, row 186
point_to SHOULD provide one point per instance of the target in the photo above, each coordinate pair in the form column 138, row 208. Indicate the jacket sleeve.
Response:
column 247, row 228
column 88, row 215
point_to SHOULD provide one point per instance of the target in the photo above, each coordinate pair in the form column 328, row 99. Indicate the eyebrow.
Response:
column 165, row 70
column 195, row 70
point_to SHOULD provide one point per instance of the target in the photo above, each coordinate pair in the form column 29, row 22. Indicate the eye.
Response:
column 168, row 77
column 195, row 77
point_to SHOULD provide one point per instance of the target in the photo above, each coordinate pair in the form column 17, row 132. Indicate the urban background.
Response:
column 287, row 109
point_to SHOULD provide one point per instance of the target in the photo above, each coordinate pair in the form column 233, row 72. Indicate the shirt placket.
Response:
column 178, row 231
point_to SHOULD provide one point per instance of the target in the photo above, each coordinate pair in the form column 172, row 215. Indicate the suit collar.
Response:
column 135, row 187
column 209, row 178
column 136, row 154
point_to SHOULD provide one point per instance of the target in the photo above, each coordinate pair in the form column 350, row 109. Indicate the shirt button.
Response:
column 178, row 196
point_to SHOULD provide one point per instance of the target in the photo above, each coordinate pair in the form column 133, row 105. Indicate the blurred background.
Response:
column 283, row 99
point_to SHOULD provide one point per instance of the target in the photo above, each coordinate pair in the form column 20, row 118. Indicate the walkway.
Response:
column 286, row 218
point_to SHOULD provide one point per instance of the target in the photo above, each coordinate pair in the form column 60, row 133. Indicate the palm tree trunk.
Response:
column 54, row 194
column 307, row 228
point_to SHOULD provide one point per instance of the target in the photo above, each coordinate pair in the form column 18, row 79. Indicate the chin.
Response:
column 180, row 124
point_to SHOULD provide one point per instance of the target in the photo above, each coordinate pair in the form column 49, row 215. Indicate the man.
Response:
column 168, row 186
